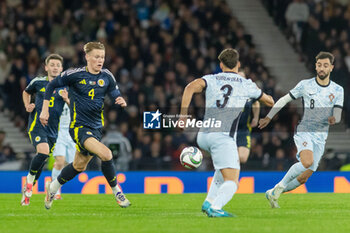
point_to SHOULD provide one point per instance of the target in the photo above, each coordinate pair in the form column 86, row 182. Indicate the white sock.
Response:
column 225, row 194
column 292, row 185
column 54, row 175
column 30, row 178
column 116, row 189
column 293, row 172
column 217, row 181
column 55, row 186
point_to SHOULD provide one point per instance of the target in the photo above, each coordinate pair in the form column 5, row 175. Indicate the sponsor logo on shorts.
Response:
column 88, row 133
column 37, row 138
column 304, row 144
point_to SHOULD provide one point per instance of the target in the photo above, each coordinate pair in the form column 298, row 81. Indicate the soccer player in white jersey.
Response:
column 65, row 147
column 323, row 103
column 226, row 94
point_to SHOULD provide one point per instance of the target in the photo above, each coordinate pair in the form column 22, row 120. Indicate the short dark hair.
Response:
column 53, row 56
column 229, row 57
column 324, row 55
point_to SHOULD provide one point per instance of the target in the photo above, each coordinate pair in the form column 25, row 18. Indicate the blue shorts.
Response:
column 38, row 136
column 305, row 141
column 222, row 148
column 243, row 139
column 80, row 133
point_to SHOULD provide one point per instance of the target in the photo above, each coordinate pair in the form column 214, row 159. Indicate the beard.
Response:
column 322, row 75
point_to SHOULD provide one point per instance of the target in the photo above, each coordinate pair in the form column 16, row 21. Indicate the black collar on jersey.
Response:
column 321, row 84
column 229, row 72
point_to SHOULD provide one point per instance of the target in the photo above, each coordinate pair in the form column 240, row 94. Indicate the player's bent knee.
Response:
column 243, row 159
column 43, row 148
column 307, row 163
column 80, row 167
column 106, row 156
column 58, row 166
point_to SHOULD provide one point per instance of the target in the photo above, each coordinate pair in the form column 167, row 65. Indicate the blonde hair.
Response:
column 88, row 47
column 53, row 56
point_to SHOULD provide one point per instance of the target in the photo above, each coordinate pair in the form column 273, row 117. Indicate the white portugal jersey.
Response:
column 318, row 103
column 65, row 118
column 225, row 96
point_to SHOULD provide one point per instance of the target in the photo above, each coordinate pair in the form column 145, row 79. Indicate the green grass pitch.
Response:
column 176, row 213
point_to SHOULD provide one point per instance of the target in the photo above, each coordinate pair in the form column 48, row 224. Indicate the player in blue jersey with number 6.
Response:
column 226, row 94
column 322, row 103
column 87, row 89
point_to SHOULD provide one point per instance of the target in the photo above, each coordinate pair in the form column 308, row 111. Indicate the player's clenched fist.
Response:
column 264, row 122
column 30, row 107
column 121, row 101
column 44, row 117
column 331, row 120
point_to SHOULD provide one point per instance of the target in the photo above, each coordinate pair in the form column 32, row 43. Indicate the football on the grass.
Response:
column 191, row 157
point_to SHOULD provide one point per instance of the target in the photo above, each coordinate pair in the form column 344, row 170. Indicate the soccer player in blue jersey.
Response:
column 42, row 138
column 245, row 125
column 323, row 102
column 87, row 89
column 225, row 96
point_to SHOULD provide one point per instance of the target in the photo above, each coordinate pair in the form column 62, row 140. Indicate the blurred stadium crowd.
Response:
column 154, row 48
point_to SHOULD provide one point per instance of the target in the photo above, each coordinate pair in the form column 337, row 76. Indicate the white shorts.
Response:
column 305, row 141
column 65, row 146
column 222, row 148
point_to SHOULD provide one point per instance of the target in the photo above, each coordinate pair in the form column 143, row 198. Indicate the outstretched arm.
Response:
column 26, row 101
column 256, row 113
column 275, row 109
column 44, row 115
column 115, row 94
column 266, row 99
column 196, row 86
column 332, row 120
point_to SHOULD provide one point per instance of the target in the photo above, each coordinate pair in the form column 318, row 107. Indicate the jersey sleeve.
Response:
column 31, row 88
column 297, row 91
column 113, row 89
column 206, row 80
column 339, row 101
column 64, row 79
column 253, row 90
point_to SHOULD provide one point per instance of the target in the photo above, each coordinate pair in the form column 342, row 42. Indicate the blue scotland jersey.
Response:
column 38, row 86
column 226, row 95
column 86, row 93
column 318, row 103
